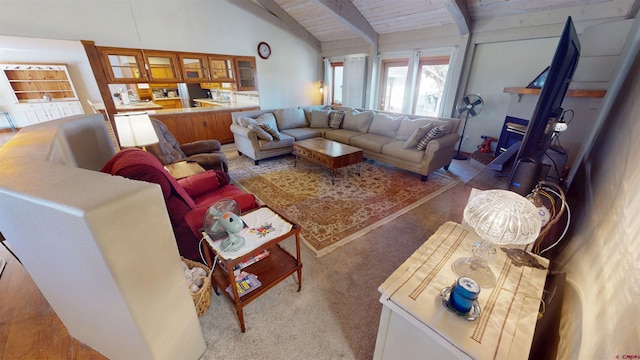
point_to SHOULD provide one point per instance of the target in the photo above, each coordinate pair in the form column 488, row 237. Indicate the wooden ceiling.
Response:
column 333, row 20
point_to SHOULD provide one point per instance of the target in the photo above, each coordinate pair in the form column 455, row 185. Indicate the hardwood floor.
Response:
column 29, row 328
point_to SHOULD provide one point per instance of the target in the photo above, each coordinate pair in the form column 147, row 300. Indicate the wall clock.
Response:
column 264, row 50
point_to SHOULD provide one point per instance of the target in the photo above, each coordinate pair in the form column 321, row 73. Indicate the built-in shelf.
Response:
column 39, row 82
column 570, row 93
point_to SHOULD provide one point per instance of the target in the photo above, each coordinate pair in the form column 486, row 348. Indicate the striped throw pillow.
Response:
column 273, row 132
column 417, row 135
column 262, row 134
column 335, row 119
column 434, row 133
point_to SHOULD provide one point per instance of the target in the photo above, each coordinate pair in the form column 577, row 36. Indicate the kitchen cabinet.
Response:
column 213, row 125
column 204, row 125
column 39, row 82
column 123, row 66
column 179, row 125
column 144, row 92
column 175, row 103
column 163, row 66
column 201, row 125
column 221, row 68
column 223, row 123
column 194, row 67
column 246, row 78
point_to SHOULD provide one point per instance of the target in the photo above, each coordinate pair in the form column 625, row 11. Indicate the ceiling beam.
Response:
column 271, row 12
column 460, row 13
column 351, row 17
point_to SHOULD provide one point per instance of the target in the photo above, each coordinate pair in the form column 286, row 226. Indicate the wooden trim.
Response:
column 101, row 79
column 570, row 93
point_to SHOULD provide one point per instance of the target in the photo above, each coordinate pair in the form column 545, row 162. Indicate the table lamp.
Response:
column 135, row 129
column 499, row 217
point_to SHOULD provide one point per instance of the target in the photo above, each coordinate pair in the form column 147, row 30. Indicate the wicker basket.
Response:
column 202, row 298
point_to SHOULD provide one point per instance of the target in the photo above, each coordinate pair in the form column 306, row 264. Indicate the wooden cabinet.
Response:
column 179, row 125
column 123, row 66
column 169, row 103
column 194, row 67
column 163, row 66
column 39, row 82
column 246, row 78
column 201, row 125
column 221, row 68
column 213, row 125
column 204, row 125
column 223, row 124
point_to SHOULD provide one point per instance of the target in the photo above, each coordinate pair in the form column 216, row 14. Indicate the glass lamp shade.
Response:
column 135, row 129
column 499, row 217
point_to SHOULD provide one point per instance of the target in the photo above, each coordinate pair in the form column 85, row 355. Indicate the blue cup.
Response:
column 464, row 292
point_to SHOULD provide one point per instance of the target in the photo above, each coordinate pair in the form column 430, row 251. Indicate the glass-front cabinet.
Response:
column 245, row 73
column 194, row 67
column 221, row 68
column 162, row 66
column 123, row 65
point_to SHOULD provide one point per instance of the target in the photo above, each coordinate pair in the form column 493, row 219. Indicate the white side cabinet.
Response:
column 414, row 324
column 40, row 92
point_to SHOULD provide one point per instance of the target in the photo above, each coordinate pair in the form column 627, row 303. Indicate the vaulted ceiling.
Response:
column 319, row 21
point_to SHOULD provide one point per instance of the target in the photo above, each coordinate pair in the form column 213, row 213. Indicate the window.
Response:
column 428, row 85
column 337, row 70
column 394, row 82
column 431, row 81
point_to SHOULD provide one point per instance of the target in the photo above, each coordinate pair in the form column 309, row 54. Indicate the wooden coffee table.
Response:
column 328, row 153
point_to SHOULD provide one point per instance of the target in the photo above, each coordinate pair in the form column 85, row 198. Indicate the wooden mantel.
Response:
column 571, row 93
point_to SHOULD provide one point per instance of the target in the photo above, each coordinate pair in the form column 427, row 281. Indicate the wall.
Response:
column 600, row 316
column 289, row 77
column 87, row 251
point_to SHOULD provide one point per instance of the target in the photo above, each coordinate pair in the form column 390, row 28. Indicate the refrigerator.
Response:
column 188, row 92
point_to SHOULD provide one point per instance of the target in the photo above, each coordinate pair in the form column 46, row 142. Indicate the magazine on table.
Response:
column 261, row 226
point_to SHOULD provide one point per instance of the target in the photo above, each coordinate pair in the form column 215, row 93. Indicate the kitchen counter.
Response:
column 218, row 107
column 138, row 106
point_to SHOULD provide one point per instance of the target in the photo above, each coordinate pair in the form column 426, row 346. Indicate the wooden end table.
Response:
column 270, row 271
column 183, row 169
column 328, row 153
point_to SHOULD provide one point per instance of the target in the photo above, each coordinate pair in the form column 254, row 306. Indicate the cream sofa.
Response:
column 381, row 135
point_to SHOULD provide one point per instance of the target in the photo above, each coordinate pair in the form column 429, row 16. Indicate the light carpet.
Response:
column 332, row 215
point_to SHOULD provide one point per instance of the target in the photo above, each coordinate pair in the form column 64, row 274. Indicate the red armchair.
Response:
column 187, row 199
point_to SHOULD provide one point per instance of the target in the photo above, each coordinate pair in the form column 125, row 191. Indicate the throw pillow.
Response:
column 408, row 126
column 417, row 135
column 270, row 129
column 335, row 119
column 268, row 118
column 246, row 121
column 319, row 119
column 434, row 133
column 290, row 118
column 262, row 133
column 385, row 125
column 203, row 183
column 357, row 121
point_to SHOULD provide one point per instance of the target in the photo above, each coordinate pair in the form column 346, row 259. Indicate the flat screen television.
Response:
column 528, row 162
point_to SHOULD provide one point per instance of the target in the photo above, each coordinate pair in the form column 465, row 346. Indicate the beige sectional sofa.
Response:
column 383, row 136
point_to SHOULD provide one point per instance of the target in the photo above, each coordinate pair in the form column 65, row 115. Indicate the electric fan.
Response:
column 471, row 105
column 221, row 219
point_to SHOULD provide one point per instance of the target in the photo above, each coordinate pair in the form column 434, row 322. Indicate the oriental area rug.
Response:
column 331, row 216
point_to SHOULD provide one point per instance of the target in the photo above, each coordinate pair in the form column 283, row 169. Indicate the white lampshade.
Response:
column 503, row 217
column 135, row 129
